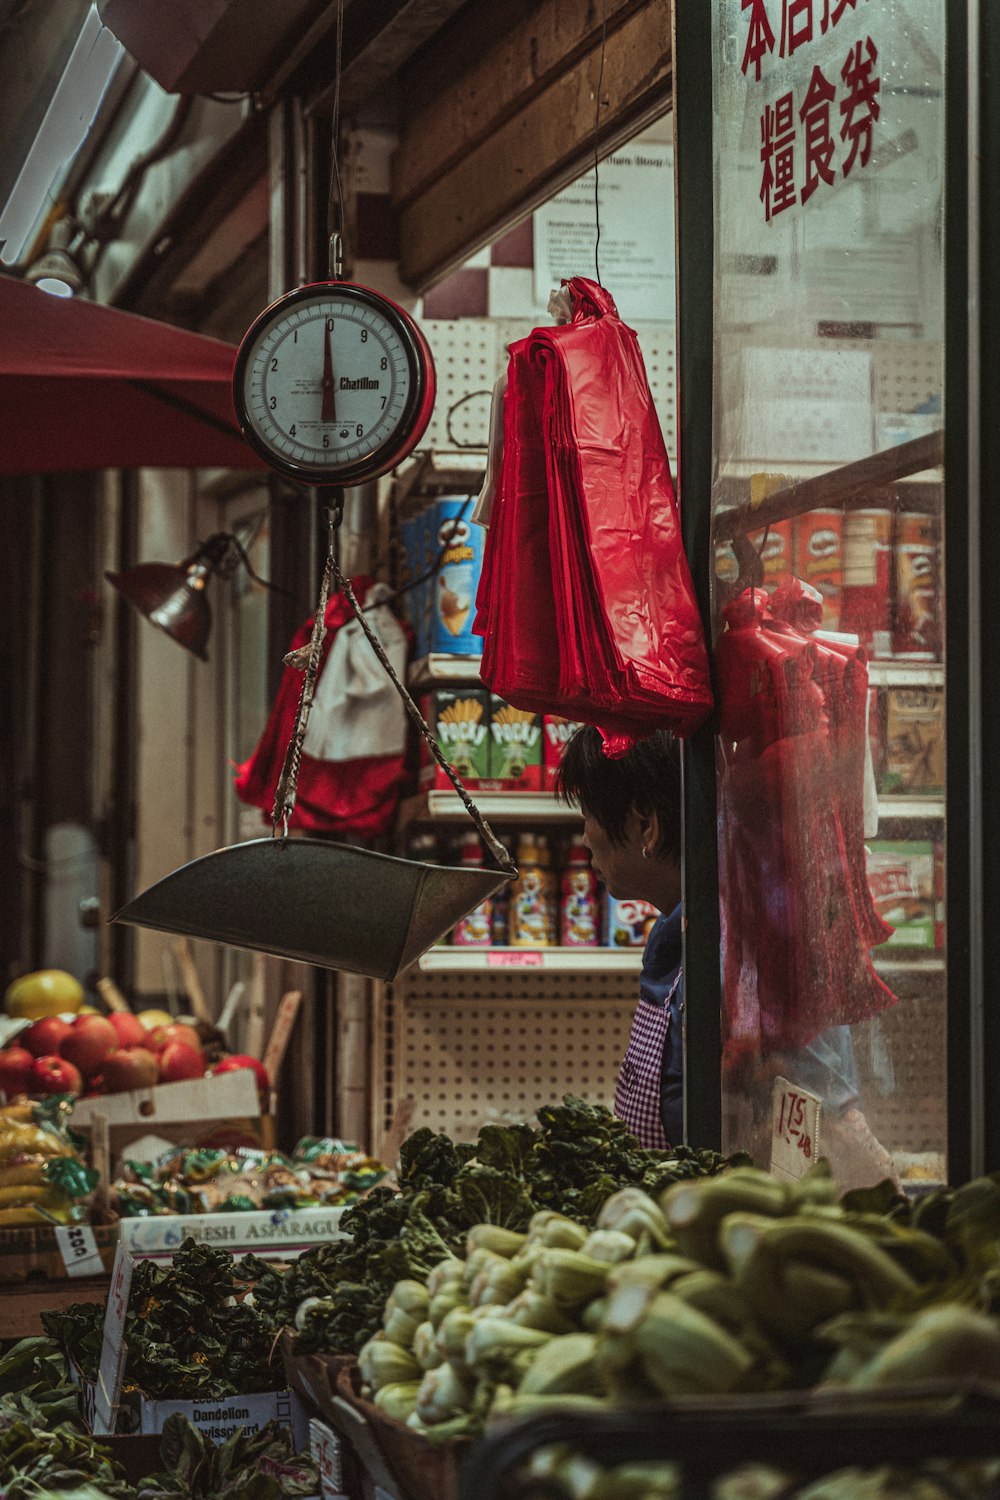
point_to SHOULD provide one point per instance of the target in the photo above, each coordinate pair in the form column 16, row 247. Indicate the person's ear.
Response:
column 649, row 833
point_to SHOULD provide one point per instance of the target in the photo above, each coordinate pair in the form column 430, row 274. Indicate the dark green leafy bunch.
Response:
column 189, row 1331
column 43, row 1445
column 577, row 1157
column 248, row 1466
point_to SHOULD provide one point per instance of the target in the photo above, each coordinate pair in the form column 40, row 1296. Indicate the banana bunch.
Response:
column 41, row 1175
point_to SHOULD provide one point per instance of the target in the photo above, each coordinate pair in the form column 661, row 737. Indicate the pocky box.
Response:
column 556, row 733
column 901, row 880
column 459, row 719
column 515, row 746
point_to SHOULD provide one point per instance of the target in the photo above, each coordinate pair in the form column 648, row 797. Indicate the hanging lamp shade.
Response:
column 315, row 901
column 172, row 595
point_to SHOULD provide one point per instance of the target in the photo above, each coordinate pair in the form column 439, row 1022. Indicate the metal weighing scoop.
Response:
column 316, row 901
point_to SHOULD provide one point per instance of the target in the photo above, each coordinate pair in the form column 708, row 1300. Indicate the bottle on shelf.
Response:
column 533, row 895
column 475, row 929
column 578, row 906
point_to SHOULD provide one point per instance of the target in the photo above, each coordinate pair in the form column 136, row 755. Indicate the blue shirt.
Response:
column 661, row 963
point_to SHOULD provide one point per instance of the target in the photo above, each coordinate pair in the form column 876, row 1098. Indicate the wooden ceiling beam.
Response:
column 526, row 141
column 479, row 72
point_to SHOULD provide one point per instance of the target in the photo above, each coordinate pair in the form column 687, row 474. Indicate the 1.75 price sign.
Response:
column 794, row 1129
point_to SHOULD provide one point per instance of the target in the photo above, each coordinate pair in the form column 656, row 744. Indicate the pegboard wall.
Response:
column 470, row 353
column 472, row 1048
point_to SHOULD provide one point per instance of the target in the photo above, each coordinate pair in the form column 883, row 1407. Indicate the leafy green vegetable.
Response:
column 248, row 1466
column 189, row 1333
column 577, row 1157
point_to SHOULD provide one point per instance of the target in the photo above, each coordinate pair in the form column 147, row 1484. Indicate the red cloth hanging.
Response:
column 586, row 604
column 797, row 916
column 356, row 798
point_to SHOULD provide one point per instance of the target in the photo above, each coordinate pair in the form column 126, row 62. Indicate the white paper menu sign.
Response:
column 794, row 1130
column 114, row 1349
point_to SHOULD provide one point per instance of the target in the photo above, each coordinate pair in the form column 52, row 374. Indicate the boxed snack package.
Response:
column 556, row 733
column 515, row 747
column 914, row 741
column 901, row 880
column 459, row 719
column 627, row 924
column 452, row 593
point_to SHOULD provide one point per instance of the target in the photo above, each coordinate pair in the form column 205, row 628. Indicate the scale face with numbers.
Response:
column 334, row 384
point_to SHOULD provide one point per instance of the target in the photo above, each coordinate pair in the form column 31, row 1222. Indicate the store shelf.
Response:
column 437, row 668
column 912, row 809
column 553, row 960
column 906, row 674
column 439, row 806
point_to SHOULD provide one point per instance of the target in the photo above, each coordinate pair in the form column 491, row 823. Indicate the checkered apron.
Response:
column 637, row 1096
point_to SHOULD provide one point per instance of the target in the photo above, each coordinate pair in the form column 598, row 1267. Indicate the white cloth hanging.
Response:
column 356, row 711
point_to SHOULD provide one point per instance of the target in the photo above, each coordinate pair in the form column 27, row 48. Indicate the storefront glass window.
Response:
column 828, row 613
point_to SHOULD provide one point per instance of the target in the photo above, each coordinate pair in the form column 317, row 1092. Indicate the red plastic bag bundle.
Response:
column 586, row 603
column 797, row 914
column 354, row 797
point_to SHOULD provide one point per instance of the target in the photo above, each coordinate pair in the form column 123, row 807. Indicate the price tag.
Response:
column 522, row 958
column 113, row 1350
column 79, row 1251
column 794, row 1129
column 324, row 1445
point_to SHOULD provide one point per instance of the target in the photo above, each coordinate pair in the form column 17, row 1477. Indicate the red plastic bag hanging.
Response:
column 586, row 603
column 354, row 797
column 796, row 926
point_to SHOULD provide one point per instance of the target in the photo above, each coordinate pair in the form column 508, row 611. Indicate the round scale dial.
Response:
column 333, row 384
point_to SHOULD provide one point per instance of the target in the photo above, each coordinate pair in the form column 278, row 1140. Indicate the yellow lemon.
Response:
column 46, row 992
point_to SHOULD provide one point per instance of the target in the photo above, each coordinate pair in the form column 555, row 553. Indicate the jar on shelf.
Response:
column 578, row 904
column 533, row 895
column 475, row 929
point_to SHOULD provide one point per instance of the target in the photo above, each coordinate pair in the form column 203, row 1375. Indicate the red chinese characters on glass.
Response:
column 777, row 152
column 859, row 110
column 819, row 143
column 760, row 37
column 797, row 27
column 860, row 107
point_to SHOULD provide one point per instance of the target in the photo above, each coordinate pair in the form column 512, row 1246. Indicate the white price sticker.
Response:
column 794, row 1129
column 325, row 1448
column 79, row 1251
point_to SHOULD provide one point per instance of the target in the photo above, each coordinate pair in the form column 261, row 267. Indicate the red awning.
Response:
column 83, row 386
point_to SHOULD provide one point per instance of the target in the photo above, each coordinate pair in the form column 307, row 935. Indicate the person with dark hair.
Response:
column 631, row 810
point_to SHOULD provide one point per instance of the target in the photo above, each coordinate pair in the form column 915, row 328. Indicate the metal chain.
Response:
column 287, row 788
column 486, row 833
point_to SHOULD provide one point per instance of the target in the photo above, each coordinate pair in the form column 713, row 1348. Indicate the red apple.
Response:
column 162, row 1036
column 16, row 1064
column 128, row 1028
column 54, row 1075
column 129, row 1068
column 239, row 1060
column 45, row 1037
column 91, row 1039
column 178, row 1062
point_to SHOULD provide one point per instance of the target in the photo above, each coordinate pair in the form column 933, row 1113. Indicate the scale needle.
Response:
column 329, row 412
